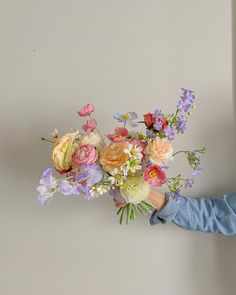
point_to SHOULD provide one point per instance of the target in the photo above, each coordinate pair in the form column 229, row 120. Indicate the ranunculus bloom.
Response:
column 86, row 154
column 90, row 125
column 119, row 135
column 154, row 175
column 135, row 189
column 159, row 150
column 62, row 152
column 114, row 156
column 164, row 122
column 95, row 139
column 149, row 119
column 86, row 110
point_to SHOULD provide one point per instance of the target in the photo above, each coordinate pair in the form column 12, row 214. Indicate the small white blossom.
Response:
column 54, row 133
column 102, row 189
column 134, row 152
column 117, row 177
column 132, row 165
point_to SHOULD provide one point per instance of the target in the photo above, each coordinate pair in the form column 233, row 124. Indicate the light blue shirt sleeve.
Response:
column 215, row 215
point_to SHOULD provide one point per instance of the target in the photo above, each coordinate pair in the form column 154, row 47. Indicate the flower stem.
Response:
column 45, row 139
column 202, row 150
column 180, row 152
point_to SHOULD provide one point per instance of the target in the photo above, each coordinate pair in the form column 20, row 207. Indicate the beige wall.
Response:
column 119, row 55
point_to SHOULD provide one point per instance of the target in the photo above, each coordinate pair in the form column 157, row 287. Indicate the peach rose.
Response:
column 159, row 150
column 62, row 152
column 114, row 156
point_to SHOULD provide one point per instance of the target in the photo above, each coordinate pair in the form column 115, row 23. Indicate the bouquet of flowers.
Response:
column 124, row 164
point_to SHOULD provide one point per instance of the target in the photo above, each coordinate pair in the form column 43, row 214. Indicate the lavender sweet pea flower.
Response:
column 91, row 173
column 118, row 199
column 86, row 191
column 47, row 179
column 66, row 188
column 47, row 187
column 44, row 196
column 77, row 188
column 114, row 193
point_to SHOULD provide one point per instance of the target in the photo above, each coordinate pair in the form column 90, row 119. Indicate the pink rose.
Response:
column 90, row 125
column 154, row 175
column 86, row 110
column 86, row 154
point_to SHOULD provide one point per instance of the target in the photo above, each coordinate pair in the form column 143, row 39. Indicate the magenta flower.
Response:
column 86, row 110
column 86, row 154
column 154, row 175
column 90, row 125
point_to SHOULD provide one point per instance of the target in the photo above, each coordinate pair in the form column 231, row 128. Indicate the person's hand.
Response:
column 156, row 198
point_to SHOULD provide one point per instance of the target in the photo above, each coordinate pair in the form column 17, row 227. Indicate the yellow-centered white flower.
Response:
column 134, row 152
column 117, row 177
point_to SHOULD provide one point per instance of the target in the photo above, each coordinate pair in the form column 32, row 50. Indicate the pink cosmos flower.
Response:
column 154, row 175
column 86, row 110
column 90, row 125
column 119, row 135
column 86, row 154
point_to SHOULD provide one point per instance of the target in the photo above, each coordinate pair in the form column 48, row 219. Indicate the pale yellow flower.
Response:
column 62, row 152
column 135, row 189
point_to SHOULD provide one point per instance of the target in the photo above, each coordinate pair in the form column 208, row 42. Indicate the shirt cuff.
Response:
column 167, row 213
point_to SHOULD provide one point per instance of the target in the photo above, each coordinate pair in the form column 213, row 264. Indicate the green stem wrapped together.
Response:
column 131, row 210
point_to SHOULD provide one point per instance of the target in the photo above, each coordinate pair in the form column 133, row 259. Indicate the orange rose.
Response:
column 159, row 150
column 114, row 156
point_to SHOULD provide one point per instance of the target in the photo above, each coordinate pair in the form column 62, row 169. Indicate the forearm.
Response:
column 202, row 214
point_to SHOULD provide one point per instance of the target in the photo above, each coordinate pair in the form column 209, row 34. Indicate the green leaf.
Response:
column 141, row 209
column 133, row 213
column 136, row 209
column 130, row 211
column 149, row 205
column 142, row 204
column 122, row 214
column 118, row 212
